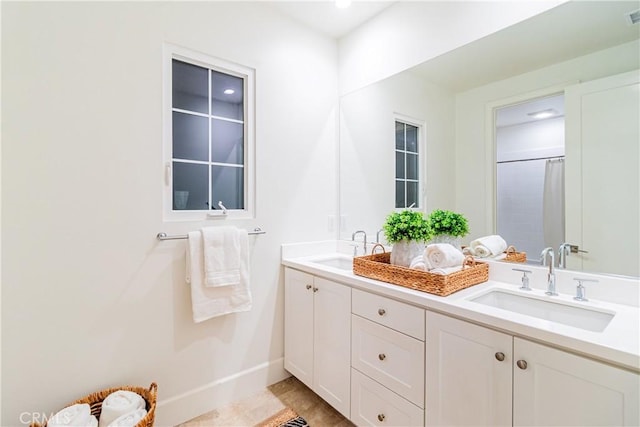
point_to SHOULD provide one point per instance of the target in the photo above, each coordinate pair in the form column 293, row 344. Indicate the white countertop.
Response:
column 618, row 344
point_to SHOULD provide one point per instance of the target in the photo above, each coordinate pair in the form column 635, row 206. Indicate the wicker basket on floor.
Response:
column 379, row 267
column 514, row 256
column 95, row 402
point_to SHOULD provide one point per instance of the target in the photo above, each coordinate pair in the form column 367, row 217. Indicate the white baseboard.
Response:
column 178, row 409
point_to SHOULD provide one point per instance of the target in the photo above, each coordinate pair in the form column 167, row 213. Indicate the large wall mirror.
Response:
column 564, row 55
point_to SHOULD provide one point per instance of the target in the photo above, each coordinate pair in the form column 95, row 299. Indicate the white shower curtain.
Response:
column 553, row 203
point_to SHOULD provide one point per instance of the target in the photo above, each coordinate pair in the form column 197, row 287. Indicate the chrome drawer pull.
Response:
column 381, row 417
column 381, row 311
column 382, row 356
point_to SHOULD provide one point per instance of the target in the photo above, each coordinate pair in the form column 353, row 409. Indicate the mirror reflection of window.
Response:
column 407, row 169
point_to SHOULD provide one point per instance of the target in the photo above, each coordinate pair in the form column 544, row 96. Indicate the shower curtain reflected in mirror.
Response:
column 553, row 204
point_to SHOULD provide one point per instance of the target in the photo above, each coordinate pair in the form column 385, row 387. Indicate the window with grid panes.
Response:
column 210, row 135
column 407, row 166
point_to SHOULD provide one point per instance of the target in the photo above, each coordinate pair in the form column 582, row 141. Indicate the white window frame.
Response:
column 422, row 159
column 170, row 52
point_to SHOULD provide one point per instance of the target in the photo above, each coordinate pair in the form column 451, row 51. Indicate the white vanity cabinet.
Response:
column 478, row 376
column 553, row 387
column 317, row 336
column 387, row 359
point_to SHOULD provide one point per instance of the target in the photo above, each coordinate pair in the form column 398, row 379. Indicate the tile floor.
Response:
column 254, row 409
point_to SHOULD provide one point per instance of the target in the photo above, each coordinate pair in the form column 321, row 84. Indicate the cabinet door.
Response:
column 298, row 325
column 467, row 383
column 560, row 388
column 331, row 342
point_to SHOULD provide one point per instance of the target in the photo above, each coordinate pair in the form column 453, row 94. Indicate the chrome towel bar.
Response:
column 164, row 236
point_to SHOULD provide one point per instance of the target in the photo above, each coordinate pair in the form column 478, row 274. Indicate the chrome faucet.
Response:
column 378, row 235
column 551, row 276
column 353, row 238
column 563, row 252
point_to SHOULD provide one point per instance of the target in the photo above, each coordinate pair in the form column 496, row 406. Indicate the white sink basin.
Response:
column 578, row 317
column 341, row 262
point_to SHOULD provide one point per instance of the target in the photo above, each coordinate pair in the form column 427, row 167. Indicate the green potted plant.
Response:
column 448, row 227
column 408, row 231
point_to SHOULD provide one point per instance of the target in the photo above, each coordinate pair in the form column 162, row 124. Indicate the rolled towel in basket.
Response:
column 446, row 270
column 119, row 403
column 130, row 419
column 442, row 255
column 418, row 263
column 78, row 415
column 488, row 246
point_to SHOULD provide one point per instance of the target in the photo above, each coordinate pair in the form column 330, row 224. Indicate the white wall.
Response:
column 409, row 33
column 90, row 299
column 474, row 154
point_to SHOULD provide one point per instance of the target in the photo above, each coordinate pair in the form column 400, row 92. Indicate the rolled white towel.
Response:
column 130, row 419
column 488, row 246
column 442, row 255
column 78, row 415
column 119, row 403
column 468, row 251
column 418, row 263
column 446, row 270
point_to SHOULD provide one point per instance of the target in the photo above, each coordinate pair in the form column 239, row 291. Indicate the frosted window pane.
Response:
column 399, row 165
column 227, row 105
column 412, row 166
column 227, row 186
column 190, row 189
column 227, row 142
column 400, row 194
column 412, row 194
column 399, row 136
column 412, row 139
column 190, row 87
column 190, row 137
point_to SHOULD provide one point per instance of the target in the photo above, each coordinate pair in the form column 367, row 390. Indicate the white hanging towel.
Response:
column 209, row 302
column 221, row 256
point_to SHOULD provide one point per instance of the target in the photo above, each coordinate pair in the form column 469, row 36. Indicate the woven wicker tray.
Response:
column 514, row 256
column 378, row 266
column 95, row 402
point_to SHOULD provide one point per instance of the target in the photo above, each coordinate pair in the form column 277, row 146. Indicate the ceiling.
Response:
column 570, row 30
column 325, row 17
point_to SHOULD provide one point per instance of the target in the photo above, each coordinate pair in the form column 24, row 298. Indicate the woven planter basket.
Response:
column 95, row 402
column 515, row 256
column 378, row 266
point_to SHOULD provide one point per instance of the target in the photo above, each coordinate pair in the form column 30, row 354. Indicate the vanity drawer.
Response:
column 402, row 317
column 376, row 405
column 393, row 359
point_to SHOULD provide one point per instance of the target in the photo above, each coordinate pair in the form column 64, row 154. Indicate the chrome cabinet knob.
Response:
column 315, row 289
column 381, row 417
column 500, row 356
column 381, row 311
column 382, row 356
column 308, row 287
column 522, row 364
